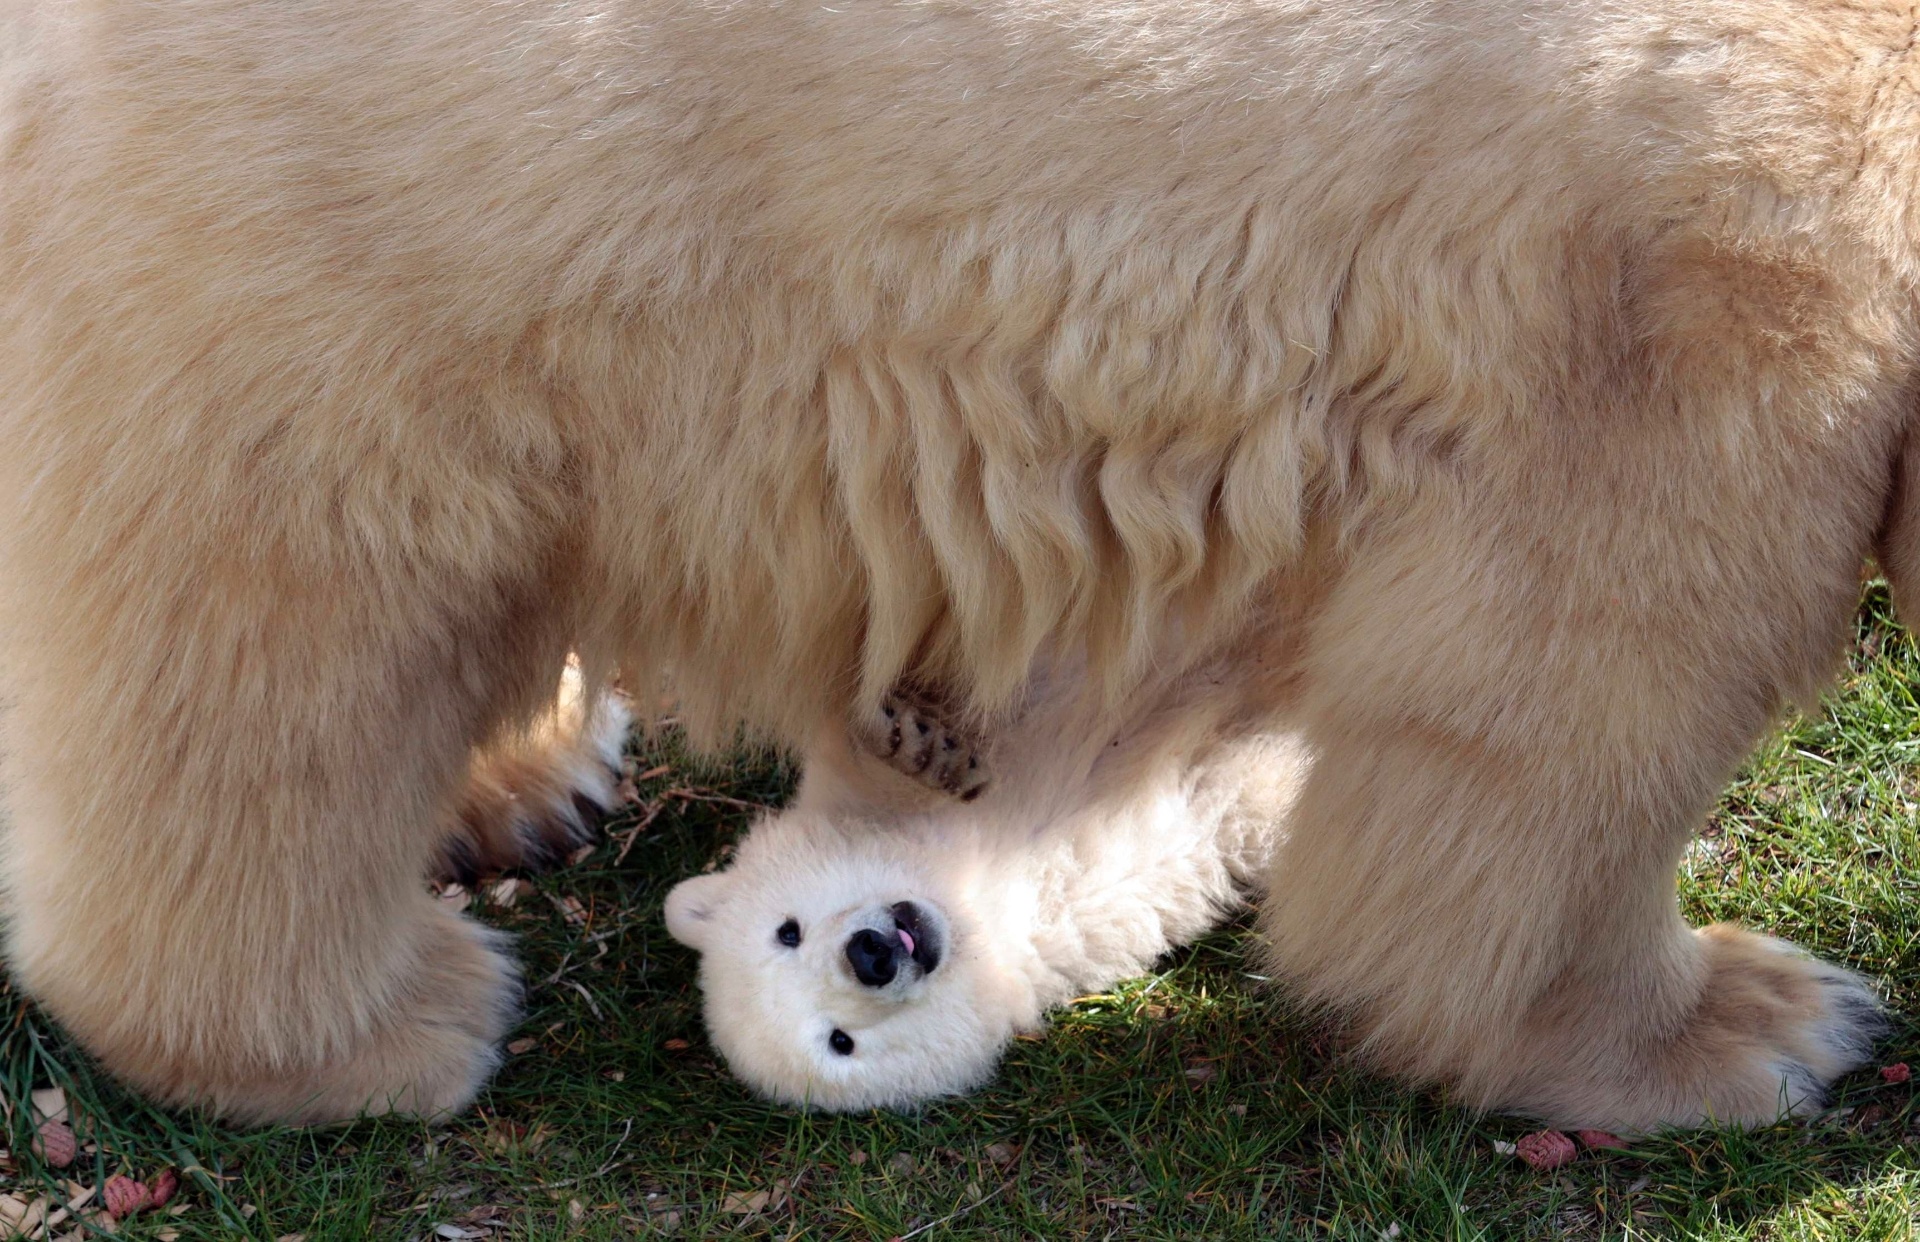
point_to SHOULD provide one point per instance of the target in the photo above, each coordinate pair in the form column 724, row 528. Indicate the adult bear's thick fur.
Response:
column 1547, row 364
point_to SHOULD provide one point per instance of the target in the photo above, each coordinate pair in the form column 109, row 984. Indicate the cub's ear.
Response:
column 691, row 906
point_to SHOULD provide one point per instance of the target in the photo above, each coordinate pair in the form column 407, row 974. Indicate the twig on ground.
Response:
column 588, row 997
column 1001, row 1189
column 633, row 834
column 564, row 969
column 700, row 795
column 602, row 1171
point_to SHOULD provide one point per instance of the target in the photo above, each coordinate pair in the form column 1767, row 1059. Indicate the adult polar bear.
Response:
column 1549, row 363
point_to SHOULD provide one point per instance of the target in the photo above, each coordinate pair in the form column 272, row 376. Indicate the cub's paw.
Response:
column 908, row 734
column 535, row 797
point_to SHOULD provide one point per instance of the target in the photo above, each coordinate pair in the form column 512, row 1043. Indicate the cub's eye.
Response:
column 841, row 1042
column 789, row 934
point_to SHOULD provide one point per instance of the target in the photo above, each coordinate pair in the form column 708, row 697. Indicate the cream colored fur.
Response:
column 1543, row 365
column 1099, row 852
column 535, row 794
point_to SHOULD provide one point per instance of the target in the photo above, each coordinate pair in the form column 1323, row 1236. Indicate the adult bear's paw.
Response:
column 535, row 797
column 1770, row 1029
column 1786, row 1023
column 432, row 1044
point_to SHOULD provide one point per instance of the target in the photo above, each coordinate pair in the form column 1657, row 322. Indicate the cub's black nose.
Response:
column 872, row 958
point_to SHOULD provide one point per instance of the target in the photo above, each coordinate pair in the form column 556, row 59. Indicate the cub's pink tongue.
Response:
column 906, row 940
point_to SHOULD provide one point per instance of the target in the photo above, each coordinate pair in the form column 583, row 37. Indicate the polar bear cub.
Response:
column 875, row 946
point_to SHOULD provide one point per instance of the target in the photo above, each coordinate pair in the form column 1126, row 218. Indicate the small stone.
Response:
column 1546, row 1149
column 54, row 1143
column 1002, row 1154
column 856, row 1157
column 901, row 1164
column 1897, row 1072
column 122, row 1196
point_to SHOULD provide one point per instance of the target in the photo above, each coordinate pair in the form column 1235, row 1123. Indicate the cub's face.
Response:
column 839, row 975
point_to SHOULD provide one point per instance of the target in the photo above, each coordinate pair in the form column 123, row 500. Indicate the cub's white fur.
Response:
column 1095, row 855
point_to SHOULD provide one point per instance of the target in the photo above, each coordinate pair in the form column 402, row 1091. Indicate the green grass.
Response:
column 1186, row 1105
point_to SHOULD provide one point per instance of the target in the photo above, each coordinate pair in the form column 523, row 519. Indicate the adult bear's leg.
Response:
column 243, row 695
column 1523, row 698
